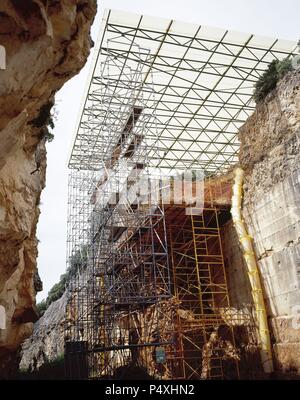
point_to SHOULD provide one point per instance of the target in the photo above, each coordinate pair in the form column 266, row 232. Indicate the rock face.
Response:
column 239, row 289
column 270, row 153
column 47, row 340
column 46, row 43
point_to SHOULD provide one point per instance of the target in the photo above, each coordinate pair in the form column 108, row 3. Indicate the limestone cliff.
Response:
column 46, row 43
column 270, row 153
column 47, row 341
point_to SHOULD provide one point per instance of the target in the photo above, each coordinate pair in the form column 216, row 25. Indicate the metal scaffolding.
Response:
column 205, row 322
column 201, row 80
column 149, row 286
column 117, row 234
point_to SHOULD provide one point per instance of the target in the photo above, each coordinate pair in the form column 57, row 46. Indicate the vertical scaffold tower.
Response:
column 117, row 237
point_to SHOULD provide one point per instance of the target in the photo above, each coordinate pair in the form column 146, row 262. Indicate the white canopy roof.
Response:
column 203, row 80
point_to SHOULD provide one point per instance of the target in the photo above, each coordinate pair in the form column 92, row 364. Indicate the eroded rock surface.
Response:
column 270, row 153
column 47, row 341
column 46, row 43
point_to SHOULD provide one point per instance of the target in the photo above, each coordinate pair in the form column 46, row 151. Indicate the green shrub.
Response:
column 45, row 120
column 268, row 80
column 77, row 261
column 56, row 291
column 42, row 307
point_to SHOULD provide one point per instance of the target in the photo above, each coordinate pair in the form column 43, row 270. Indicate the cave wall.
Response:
column 270, row 144
column 240, row 299
column 46, row 43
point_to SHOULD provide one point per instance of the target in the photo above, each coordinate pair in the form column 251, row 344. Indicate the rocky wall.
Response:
column 270, row 144
column 46, row 43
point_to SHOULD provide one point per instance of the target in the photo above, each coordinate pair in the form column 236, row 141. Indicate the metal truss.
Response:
column 202, row 79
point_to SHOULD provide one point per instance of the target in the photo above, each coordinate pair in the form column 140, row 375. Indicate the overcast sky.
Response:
column 276, row 18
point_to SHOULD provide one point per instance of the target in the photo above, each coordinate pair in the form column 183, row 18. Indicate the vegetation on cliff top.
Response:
column 268, row 80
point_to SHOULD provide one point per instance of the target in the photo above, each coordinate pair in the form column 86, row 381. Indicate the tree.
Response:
column 42, row 307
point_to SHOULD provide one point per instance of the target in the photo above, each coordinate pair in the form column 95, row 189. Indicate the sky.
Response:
column 275, row 18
